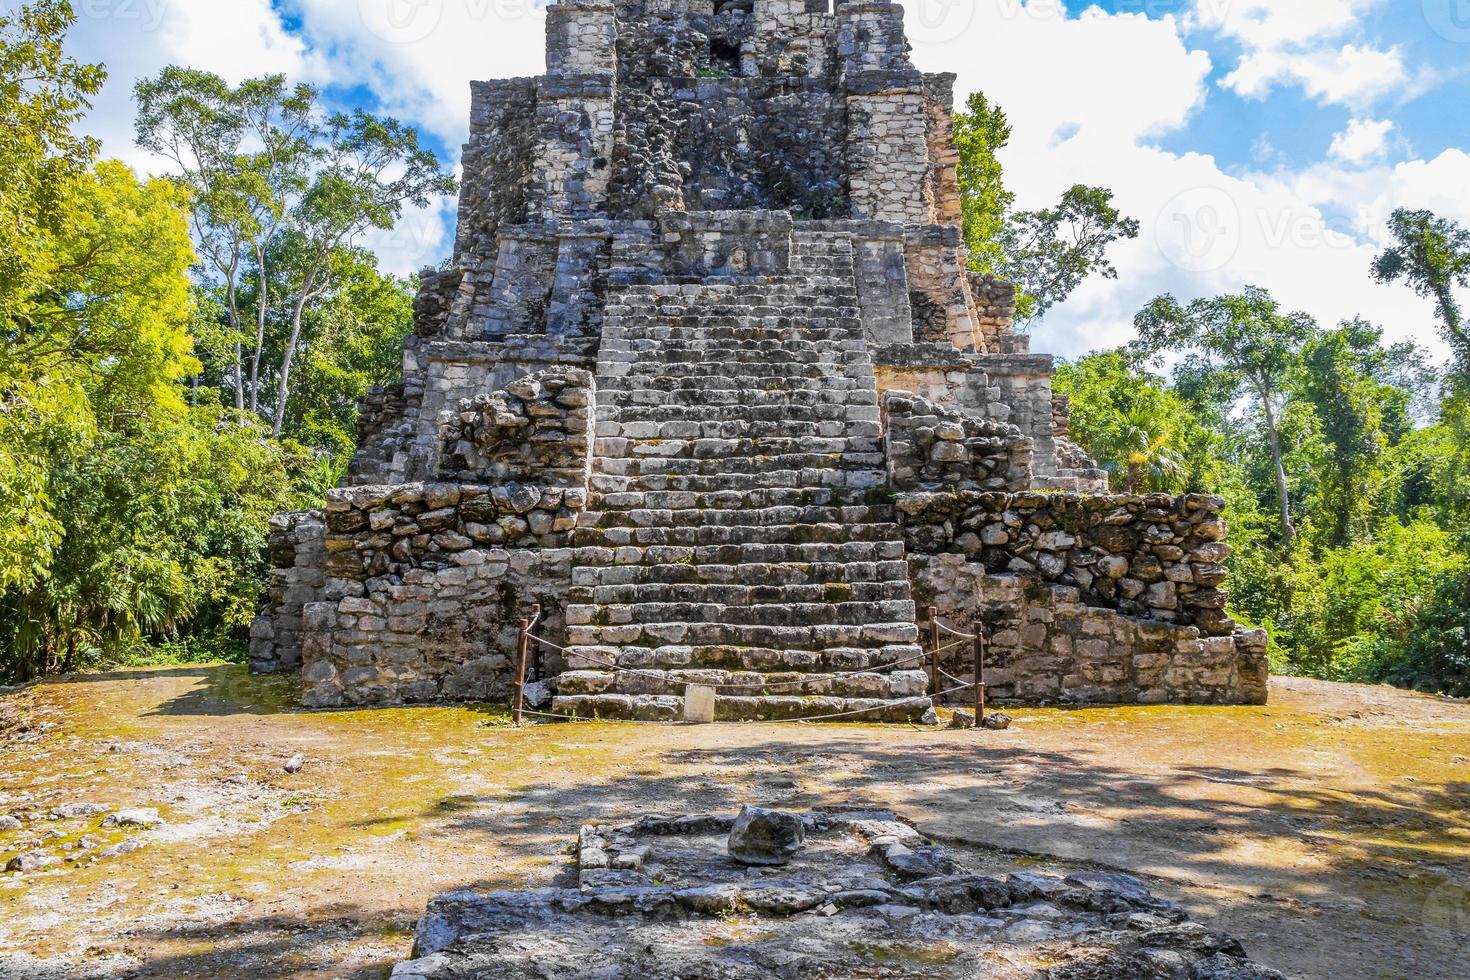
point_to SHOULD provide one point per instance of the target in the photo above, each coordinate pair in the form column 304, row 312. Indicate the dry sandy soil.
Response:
column 1329, row 831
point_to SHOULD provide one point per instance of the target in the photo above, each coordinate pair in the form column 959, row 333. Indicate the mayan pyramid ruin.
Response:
column 709, row 380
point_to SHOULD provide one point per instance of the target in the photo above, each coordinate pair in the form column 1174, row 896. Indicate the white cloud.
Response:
column 1308, row 43
column 1308, row 237
column 134, row 39
column 1363, row 140
column 1268, row 24
column 418, row 57
column 1350, row 75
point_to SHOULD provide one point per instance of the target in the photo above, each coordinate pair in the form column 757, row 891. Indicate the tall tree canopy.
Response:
column 1048, row 253
column 1245, row 343
column 126, row 506
column 1432, row 254
column 282, row 193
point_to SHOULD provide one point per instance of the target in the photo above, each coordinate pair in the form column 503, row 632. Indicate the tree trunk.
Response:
column 283, row 385
column 1288, row 529
column 262, row 304
column 239, row 347
column 1459, row 343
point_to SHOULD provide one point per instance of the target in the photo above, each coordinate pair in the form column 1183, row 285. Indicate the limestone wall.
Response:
column 426, row 586
column 537, row 428
column 931, row 447
column 1048, row 646
column 298, row 551
column 1088, row 598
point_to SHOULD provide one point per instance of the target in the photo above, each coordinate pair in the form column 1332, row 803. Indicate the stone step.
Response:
column 647, row 353
column 813, row 329
column 768, row 345
column 845, row 552
column 742, row 499
column 796, row 615
column 761, row 517
column 762, row 447
column 781, row 637
column 772, row 408
column 739, row 428
column 890, row 685
column 739, row 595
column 831, row 478
column 767, row 665
column 773, row 469
column 686, row 393
column 766, row 288
column 714, row 535
column 625, row 707
column 804, row 574
column 753, row 372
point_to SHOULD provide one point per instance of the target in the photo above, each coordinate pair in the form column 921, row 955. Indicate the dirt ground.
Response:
column 1329, row 831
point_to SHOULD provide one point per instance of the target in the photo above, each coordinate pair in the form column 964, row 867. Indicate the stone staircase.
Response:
column 739, row 534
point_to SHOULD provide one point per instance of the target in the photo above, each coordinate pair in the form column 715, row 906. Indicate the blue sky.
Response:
column 1258, row 141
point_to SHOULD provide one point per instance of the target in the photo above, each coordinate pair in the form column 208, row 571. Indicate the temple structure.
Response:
column 709, row 380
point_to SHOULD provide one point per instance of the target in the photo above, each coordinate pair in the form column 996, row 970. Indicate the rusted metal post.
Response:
column 523, row 650
column 979, row 675
column 934, row 650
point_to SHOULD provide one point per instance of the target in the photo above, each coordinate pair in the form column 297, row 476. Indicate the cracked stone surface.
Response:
column 868, row 896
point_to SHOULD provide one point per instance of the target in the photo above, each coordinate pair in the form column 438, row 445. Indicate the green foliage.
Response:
column 1432, row 254
column 1235, row 346
column 282, row 193
column 1048, row 253
column 132, row 504
column 1145, row 435
column 1362, row 573
column 980, row 133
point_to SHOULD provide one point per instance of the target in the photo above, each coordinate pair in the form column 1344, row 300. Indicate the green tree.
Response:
column 243, row 154
column 131, row 504
column 1140, row 431
column 1049, row 253
column 980, row 133
column 356, row 336
column 1339, row 378
column 1246, row 345
column 42, row 93
column 1432, row 254
column 1046, row 253
column 284, row 191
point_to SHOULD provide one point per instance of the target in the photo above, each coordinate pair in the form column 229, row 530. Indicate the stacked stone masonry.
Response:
column 709, row 379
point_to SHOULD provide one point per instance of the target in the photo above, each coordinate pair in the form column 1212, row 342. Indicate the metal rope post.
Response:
column 523, row 649
column 980, row 676
column 934, row 647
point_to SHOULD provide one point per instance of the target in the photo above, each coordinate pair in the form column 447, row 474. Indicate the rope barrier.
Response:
column 881, row 668
column 781, row 721
column 954, row 632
